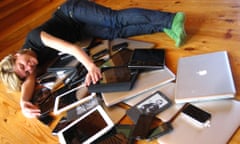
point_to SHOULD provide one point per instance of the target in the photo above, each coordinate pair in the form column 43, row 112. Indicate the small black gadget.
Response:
column 147, row 59
column 115, row 79
column 197, row 115
column 142, row 127
column 119, row 46
column 160, row 130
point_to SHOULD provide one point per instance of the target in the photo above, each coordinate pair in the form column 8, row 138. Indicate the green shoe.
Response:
column 177, row 31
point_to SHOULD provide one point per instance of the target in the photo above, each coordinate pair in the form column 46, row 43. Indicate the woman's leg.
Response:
column 94, row 14
column 111, row 24
column 124, row 32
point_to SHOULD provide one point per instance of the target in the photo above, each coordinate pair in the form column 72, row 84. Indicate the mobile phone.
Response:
column 100, row 54
column 119, row 46
column 160, row 130
column 197, row 115
column 134, row 114
column 142, row 127
column 61, row 124
column 46, row 118
column 126, row 130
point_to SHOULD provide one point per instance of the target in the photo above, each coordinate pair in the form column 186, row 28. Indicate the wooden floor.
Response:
column 211, row 25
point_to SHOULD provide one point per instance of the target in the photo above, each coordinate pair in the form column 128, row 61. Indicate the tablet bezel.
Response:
column 56, row 109
column 106, row 118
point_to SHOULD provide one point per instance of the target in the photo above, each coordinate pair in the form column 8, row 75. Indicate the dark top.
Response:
column 59, row 25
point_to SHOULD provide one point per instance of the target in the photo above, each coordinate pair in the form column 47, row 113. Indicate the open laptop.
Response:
column 204, row 77
column 145, row 82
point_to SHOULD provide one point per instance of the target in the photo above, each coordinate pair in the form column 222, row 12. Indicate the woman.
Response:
column 72, row 22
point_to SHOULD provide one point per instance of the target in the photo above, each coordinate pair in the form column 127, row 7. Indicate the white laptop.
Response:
column 86, row 128
column 145, row 82
column 204, row 77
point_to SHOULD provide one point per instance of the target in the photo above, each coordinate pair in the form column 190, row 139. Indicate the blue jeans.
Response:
column 103, row 22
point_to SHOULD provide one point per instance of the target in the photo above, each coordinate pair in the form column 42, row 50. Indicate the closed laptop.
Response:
column 204, row 77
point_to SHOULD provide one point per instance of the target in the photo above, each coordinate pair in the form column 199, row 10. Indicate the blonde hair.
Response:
column 7, row 74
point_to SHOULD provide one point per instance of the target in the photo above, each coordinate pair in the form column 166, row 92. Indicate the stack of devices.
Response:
column 145, row 69
column 116, row 76
column 200, row 80
column 130, row 71
column 64, row 74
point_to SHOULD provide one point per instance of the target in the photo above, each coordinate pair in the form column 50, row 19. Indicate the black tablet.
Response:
column 120, row 58
column 115, row 79
column 147, row 59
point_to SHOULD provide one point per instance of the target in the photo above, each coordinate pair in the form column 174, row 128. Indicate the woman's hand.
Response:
column 93, row 75
column 29, row 110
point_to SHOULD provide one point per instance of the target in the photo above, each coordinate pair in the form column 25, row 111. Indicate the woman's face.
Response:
column 25, row 63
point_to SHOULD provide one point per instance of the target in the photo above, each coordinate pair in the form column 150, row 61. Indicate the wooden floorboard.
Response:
column 211, row 25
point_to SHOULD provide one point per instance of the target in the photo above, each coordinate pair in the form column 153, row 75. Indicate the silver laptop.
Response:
column 204, row 77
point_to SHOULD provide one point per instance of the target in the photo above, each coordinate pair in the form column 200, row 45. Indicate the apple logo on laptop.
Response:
column 202, row 72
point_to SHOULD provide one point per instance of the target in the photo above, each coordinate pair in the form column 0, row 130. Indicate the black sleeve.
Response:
column 33, row 41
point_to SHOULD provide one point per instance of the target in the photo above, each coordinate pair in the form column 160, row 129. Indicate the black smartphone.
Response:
column 46, row 118
column 119, row 46
column 100, row 54
column 133, row 114
column 197, row 115
column 60, row 125
column 160, row 130
column 142, row 127
column 126, row 130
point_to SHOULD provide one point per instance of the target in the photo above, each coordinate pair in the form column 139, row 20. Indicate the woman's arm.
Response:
column 28, row 109
column 94, row 73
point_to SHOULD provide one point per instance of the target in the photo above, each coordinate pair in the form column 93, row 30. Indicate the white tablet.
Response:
column 86, row 128
column 72, row 98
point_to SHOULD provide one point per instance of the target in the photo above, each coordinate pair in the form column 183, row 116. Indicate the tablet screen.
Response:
column 147, row 58
column 121, row 58
column 116, row 75
column 72, row 96
column 89, row 128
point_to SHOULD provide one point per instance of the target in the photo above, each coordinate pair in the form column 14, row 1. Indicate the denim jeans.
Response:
column 106, row 23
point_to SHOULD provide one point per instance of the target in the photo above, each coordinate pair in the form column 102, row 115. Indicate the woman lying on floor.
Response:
column 72, row 22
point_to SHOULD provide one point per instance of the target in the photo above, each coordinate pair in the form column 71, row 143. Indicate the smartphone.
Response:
column 126, row 130
column 160, row 130
column 46, row 118
column 197, row 115
column 133, row 114
column 142, row 127
column 119, row 46
column 61, row 124
column 100, row 54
